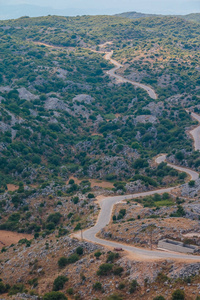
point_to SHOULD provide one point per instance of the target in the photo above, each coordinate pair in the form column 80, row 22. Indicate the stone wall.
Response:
column 177, row 246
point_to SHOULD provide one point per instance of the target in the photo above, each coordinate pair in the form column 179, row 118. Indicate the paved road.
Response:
column 196, row 132
column 107, row 203
column 193, row 174
column 112, row 73
column 105, row 215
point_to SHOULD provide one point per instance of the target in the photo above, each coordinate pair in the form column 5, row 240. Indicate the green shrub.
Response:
column 133, row 286
column 161, row 277
column 191, row 183
column 78, row 227
column 79, row 250
column 4, row 287
column 72, row 258
column 62, row 262
column 70, row 291
column 54, row 218
column 178, row 295
column 97, row 286
column 121, row 286
column 50, row 226
column 105, row 269
column 33, row 282
column 91, row 196
column 16, row 288
column 114, row 297
column 59, row 283
column 75, row 200
column 159, row 298
column 54, row 296
column 97, row 254
column 118, row 270
column 112, row 256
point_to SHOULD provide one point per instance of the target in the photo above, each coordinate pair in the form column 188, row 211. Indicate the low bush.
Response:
column 105, row 269
column 118, row 270
column 79, row 250
column 64, row 261
column 54, row 296
column 70, row 291
column 133, row 286
column 111, row 257
column 59, row 283
column 97, row 254
column 178, row 295
column 97, row 286
column 16, row 288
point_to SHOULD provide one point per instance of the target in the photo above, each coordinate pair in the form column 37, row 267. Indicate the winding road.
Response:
column 121, row 79
column 107, row 203
column 196, row 132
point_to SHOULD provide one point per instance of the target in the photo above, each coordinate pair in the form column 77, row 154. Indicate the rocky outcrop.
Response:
column 25, row 94
column 190, row 191
column 57, row 104
column 83, row 98
column 135, row 187
column 156, row 109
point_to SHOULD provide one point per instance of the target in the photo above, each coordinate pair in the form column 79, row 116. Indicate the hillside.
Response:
column 193, row 17
column 135, row 15
column 72, row 129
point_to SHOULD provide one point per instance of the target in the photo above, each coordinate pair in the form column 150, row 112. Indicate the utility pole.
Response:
column 150, row 229
column 81, row 233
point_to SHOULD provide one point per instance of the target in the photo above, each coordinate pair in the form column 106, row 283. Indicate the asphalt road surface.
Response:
column 107, row 203
column 119, row 78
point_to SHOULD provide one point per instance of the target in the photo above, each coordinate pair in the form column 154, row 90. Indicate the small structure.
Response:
column 172, row 245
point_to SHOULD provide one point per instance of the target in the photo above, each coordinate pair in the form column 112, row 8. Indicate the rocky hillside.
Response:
column 69, row 134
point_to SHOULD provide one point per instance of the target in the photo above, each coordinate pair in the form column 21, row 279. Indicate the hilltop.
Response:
column 136, row 15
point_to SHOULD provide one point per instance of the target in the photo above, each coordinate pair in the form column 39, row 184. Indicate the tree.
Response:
column 159, row 298
column 178, row 295
column 62, row 262
column 191, row 183
column 79, row 250
column 90, row 196
column 179, row 155
column 59, row 283
column 54, row 218
column 54, row 296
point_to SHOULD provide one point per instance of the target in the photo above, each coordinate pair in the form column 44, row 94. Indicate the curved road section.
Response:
column 193, row 174
column 105, row 215
column 108, row 202
column 121, row 79
column 196, row 132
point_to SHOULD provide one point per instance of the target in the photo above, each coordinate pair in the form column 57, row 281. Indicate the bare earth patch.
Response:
column 95, row 182
column 8, row 238
column 12, row 187
column 103, row 184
